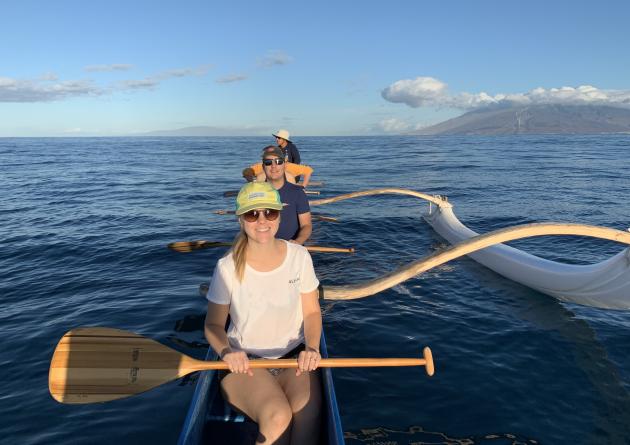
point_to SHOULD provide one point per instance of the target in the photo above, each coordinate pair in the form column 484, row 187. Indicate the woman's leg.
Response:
column 261, row 397
column 304, row 394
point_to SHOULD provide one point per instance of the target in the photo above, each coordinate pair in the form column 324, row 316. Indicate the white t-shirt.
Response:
column 265, row 308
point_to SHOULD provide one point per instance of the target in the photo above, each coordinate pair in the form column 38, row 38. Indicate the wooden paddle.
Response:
column 101, row 364
column 189, row 246
column 313, row 184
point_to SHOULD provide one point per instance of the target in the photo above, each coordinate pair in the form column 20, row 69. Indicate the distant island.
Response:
column 535, row 119
column 530, row 119
column 208, row 131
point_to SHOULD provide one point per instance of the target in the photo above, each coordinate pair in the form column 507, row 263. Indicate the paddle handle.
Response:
column 330, row 249
column 426, row 361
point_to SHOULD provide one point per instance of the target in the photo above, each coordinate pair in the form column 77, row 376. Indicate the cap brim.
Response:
column 276, row 136
column 259, row 205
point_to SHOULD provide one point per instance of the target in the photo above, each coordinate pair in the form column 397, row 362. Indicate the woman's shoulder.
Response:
column 296, row 250
column 226, row 261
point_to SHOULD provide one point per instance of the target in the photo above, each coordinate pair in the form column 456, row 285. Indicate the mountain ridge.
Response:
column 535, row 119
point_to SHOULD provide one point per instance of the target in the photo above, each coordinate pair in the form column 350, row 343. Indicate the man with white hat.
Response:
column 291, row 151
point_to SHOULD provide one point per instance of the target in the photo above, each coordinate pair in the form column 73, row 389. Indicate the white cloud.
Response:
column 48, row 88
column 274, row 58
column 106, row 68
column 17, row 90
column 392, row 125
column 49, row 76
column 231, row 78
column 147, row 83
column 183, row 72
column 418, row 92
column 430, row 92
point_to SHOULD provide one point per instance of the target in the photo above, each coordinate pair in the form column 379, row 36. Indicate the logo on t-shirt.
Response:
column 294, row 280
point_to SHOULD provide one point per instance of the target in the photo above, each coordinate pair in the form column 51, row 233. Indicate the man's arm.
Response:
column 307, row 176
column 306, row 228
column 289, row 177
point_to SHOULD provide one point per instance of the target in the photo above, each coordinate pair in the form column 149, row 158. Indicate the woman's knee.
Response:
column 276, row 415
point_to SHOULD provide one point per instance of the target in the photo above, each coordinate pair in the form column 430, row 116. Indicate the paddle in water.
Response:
column 100, row 364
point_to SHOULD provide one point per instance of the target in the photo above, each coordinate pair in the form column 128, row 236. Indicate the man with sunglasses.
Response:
column 291, row 172
column 295, row 220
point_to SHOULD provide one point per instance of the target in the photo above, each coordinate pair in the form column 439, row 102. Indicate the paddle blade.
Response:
column 189, row 246
column 100, row 364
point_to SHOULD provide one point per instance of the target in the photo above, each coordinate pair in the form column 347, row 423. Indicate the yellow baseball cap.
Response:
column 257, row 195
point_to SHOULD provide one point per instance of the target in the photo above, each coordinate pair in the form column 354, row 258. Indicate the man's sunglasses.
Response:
column 268, row 162
column 252, row 215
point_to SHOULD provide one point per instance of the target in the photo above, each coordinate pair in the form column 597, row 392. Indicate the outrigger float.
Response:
column 604, row 285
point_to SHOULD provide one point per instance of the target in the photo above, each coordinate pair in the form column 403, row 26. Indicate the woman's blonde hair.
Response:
column 239, row 246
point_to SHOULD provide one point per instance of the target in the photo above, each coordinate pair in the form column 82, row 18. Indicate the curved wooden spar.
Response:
column 382, row 191
column 100, row 364
column 349, row 292
column 189, row 246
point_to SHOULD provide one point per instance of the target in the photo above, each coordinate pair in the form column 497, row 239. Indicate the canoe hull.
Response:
column 210, row 420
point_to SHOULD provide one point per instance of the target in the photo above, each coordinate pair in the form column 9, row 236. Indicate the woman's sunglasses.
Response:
column 252, row 215
column 268, row 162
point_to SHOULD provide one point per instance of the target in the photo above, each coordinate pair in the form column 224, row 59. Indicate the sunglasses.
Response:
column 252, row 215
column 268, row 162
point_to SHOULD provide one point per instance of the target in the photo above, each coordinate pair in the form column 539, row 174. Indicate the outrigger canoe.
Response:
column 210, row 420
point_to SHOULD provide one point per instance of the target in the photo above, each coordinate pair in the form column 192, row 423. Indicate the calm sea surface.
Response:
column 83, row 235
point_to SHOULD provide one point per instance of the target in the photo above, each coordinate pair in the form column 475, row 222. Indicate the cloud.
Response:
column 231, row 78
column 430, row 92
column 183, row 72
column 49, row 76
column 274, row 58
column 391, row 125
column 16, row 90
column 48, row 88
column 106, row 68
column 418, row 92
column 141, row 84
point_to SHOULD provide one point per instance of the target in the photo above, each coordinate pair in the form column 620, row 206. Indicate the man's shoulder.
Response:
column 289, row 186
column 292, row 193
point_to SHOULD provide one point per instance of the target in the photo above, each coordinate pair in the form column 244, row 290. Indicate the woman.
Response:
column 269, row 289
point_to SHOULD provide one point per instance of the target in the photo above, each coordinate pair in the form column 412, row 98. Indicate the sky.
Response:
column 117, row 68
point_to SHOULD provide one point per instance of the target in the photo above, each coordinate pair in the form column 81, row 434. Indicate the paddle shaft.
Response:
column 324, row 363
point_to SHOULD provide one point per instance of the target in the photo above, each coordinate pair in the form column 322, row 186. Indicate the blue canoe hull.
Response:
column 211, row 421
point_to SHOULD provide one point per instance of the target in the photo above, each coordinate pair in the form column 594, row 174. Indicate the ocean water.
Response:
column 85, row 224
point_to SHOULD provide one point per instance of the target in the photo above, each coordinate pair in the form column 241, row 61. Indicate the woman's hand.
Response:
column 237, row 361
column 308, row 360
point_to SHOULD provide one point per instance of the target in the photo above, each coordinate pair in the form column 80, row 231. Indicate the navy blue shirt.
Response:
column 294, row 203
column 293, row 155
